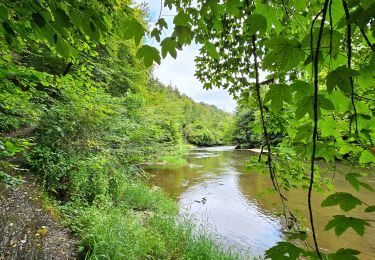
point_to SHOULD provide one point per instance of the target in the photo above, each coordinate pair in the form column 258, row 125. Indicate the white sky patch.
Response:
column 179, row 72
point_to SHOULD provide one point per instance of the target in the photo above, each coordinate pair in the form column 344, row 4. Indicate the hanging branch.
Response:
column 349, row 47
column 315, row 131
column 268, row 144
column 265, row 131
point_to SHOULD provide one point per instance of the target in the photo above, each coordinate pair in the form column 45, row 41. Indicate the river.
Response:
column 222, row 195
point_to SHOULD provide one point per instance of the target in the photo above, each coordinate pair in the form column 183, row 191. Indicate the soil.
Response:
column 28, row 229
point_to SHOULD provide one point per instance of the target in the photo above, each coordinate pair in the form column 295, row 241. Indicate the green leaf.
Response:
column 233, row 7
column 256, row 23
column 344, row 254
column 168, row 45
column 352, row 178
column 211, row 49
column 156, row 34
column 366, row 78
column 370, row 209
column 325, row 103
column 278, row 94
column 345, row 200
column 302, row 235
column 304, row 106
column 90, row 29
column 132, row 28
column 272, row 14
column 331, row 41
column 328, row 128
column 367, row 157
column 181, row 19
column 285, row 54
column 168, row 3
column 340, row 77
column 4, row 12
column 162, row 23
column 341, row 223
column 284, row 251
column 76, row 18
column 341, row 102
column 304, row 133
column 61, row 18
column 149, row 55
column 62, row 47
column 301, row 89
column 326, row 151
column 183, row 34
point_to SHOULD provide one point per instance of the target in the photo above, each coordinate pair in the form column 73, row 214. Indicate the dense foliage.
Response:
column 79, row 102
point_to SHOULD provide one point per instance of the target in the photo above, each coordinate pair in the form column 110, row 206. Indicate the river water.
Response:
column 222, row 195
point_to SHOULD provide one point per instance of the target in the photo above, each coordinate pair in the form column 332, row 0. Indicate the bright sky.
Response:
column 180, row 72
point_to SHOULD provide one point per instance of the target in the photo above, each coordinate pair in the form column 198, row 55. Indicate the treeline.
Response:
column 85, row 115
column 186, row 120
column 247, row 128
column 105, row 110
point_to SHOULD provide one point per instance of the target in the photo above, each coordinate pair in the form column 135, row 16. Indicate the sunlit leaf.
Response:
column 149, row 55
column 278, row 94
column 367, row 157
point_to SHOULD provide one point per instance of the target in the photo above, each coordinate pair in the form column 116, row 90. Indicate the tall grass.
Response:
column 143, row 226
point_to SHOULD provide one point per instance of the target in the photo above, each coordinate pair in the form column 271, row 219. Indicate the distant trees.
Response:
column 182, row 119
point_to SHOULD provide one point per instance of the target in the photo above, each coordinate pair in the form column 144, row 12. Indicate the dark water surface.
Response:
column 217, row 190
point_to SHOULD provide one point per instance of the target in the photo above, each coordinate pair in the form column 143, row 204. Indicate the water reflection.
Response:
column 216, row 191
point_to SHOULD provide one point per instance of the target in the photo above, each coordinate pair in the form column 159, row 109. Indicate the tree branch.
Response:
column 316, row 108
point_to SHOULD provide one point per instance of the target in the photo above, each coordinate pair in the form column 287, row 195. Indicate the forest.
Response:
column 82, row 117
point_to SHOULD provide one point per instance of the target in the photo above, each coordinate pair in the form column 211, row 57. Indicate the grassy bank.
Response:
column 141, row 225
column 175, row 156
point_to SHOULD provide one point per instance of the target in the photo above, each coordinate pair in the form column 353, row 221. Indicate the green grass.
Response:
column 125, row 234
column 175, row 156
column 142, row 226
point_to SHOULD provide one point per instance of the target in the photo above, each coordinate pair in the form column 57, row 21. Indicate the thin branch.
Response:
column 261, row 108
column 316, row 108
column 161, row 8
column 349, row 47
column 330, row 32
column 367, row 39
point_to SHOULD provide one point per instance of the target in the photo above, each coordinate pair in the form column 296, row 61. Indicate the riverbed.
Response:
column 221, row 194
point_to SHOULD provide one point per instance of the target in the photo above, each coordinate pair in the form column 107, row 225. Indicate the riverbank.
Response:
column 137, row 221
